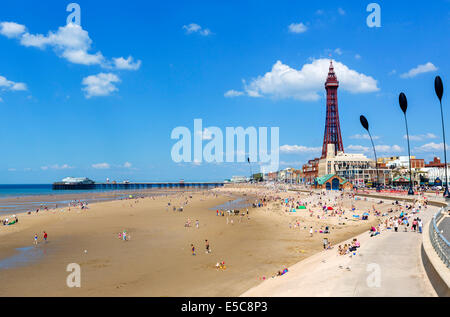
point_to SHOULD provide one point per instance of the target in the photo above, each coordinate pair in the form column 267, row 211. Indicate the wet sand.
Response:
column 61, row 199
column 157, row 260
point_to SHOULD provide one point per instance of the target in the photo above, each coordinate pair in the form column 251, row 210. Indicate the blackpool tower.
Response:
column 332, row 126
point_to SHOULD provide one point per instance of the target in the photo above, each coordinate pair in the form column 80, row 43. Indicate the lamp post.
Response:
column 365, row 125
column 404, row 106
column 439, row 88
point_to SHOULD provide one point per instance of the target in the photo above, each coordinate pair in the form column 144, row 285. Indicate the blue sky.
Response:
column 185, row 57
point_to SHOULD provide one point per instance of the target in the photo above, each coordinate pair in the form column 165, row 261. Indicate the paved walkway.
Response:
column 393, row 257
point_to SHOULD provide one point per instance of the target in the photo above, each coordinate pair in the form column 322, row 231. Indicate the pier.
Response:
column 134, row 186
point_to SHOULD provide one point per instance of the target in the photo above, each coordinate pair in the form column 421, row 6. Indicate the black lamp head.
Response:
column 403, row 102
column 364, row 122
column 439, row 87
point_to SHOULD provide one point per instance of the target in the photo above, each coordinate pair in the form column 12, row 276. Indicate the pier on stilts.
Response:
column 136, row 186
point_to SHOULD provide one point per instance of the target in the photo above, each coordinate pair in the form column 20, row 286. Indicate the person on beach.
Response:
column 197, row 224
column 193, row 249
column 311, row 232
column 420, row 225
column 396, row 225
column 414, row 225
column 35, row 239
column 208, row 250
column 45, row 237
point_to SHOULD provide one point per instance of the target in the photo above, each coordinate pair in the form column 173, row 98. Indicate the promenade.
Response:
column 392, row 258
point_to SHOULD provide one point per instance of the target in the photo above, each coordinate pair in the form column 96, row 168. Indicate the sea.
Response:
column 19, row 198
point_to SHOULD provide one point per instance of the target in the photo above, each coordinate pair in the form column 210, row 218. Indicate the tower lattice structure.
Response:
column 332, row 126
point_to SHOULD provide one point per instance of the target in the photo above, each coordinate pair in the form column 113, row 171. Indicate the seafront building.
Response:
column 356, row 168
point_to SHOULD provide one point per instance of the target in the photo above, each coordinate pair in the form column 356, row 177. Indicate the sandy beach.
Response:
column 157, row 260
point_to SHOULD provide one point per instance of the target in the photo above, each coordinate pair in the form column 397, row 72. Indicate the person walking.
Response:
column 420, row 224
column 45, row 237
column 35, row 239
column 208, row 250
column 193, row 249
column 396, row 225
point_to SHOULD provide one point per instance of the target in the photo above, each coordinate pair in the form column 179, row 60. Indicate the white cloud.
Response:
column 392, row 72
column 11, row 29
column 430, row 147
column 358, row 148
column 338, row 51
column 320, row 12
column 421, row 137
column 297, row 28
column 363, row 137
column 291, row 149
column 428, row 67
column 6, row 84
column 57, row 167
column 102, row 166
column 12, row 170
column 100, row 85
column 357, row 56
column 233, row 93
column 70, row 42
column 206, row 134
column 388, row 148
column 378, row 148
column 308, row 83
column 127, row 165
column 82, row 57
column 195, row 28
column 341, row 11
column 122, row 63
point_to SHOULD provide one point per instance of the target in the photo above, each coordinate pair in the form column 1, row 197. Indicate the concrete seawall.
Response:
column 437, row 271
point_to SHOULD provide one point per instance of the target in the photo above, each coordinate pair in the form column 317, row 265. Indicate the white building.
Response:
column 239, row 179
column 436, row 172
column 401, row 161
column 77, row 180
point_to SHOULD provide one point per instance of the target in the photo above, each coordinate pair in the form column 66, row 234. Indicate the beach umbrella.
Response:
column 365, row 214
column 330, row 208
column 302, row 207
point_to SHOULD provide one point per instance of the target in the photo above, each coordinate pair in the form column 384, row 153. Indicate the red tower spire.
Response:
column 332, row 126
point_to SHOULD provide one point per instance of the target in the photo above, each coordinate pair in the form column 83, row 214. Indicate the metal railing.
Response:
column 438, row 241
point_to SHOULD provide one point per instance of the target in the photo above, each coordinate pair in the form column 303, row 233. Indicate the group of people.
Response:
column 188, row 223
column 349, row 247
column 207, row 248
column 36, row 237
column 7, row 221
column 125, row 236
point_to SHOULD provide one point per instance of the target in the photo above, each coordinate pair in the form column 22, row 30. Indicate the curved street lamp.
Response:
column 251, row 174
column 439, row 88
column 404, row 106
column 365, row 125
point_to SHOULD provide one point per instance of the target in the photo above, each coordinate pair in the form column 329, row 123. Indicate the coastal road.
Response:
column 389, row 265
